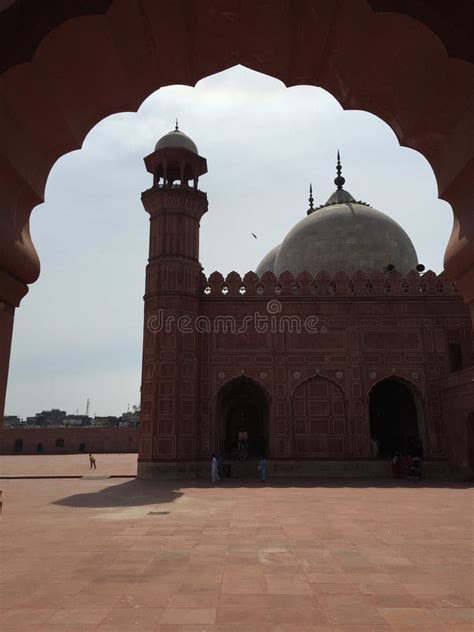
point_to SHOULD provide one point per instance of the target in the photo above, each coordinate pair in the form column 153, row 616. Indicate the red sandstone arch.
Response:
column 419, row 400
column 91, row 66
column 414, row 388
column 225, row 390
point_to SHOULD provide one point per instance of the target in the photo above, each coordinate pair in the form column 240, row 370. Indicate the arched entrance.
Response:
column 242, row 409
column 394, row 418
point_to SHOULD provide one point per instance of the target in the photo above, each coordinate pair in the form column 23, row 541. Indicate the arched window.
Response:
column 39, row 448
column 19, row 445
column 60, row 443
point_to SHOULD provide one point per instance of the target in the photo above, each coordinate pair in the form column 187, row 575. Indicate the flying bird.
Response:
column 254, row 235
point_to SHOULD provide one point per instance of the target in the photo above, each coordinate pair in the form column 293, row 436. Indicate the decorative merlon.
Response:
column 322, row 284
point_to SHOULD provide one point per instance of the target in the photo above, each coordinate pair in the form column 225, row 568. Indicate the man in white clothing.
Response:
column 214, row 469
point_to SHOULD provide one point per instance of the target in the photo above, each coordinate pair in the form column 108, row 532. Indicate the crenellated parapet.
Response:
column 359, row 284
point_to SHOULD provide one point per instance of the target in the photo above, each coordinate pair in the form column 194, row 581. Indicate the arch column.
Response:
column 11, row 293
column 6, row 332
column 19, row 262
column 459, row 255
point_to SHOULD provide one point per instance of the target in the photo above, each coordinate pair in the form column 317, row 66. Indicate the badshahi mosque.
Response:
column 336, row 352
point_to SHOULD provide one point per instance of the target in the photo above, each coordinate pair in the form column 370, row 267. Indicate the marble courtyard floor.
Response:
column 119, row 554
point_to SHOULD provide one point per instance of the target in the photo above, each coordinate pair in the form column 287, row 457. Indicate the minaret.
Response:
column 169, row 391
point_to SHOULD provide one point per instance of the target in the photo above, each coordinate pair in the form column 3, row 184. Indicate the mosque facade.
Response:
column 333, row 355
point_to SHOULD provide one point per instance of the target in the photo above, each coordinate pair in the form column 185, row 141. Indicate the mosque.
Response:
column 327, row 359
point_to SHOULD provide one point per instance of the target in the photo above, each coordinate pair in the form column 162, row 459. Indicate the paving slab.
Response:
column 116, row 554
column 68, row 465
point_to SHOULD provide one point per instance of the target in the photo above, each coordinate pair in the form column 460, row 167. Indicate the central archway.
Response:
column 395, row 422
column 242, row 407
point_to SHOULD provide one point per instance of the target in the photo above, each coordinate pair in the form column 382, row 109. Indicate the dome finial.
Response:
column 176, row 129
column 311, row 199
column 339, row 180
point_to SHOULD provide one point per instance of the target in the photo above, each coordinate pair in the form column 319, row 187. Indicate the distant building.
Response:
column 77, row 420
column 130, row 419
column 105, row 422
column 12, row 421
column 53, row 417
column 55, row 432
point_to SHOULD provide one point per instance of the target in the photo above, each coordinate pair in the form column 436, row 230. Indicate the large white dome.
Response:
column 267, row 264
column 345, row 237
column 342, row 236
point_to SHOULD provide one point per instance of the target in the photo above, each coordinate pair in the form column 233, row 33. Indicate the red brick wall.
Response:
column 95, row 439
column 458, row 412
column 368, row 329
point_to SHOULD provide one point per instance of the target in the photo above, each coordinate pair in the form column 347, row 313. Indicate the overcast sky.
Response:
column 78, row 332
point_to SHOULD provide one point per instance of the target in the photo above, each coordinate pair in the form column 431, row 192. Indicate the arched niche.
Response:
column 319, row 419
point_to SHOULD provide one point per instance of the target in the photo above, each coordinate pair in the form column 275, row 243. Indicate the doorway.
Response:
column 243, row 416
column 394, row 422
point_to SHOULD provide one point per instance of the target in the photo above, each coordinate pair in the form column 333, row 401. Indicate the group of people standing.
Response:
column 217, row 469
column 407, row 466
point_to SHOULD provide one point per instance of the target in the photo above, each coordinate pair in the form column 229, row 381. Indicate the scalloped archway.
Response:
column 396, row 415
column 243, row 402
column 56, row 89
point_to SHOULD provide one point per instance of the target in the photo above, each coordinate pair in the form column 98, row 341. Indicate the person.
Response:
column 220, row 467
column 419, row 449
column 242, row 445
column 92, row 461
column 396, row 465
column 375, row 448
column 262, row 468
column 214, row 469
column 417, row 467
column 409, row 466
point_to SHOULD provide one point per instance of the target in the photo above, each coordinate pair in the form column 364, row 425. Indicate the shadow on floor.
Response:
column 139, row 492
column 132, row 493
column 332, row 483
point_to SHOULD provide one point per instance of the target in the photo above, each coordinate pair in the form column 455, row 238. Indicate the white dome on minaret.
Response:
column 177, row 139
